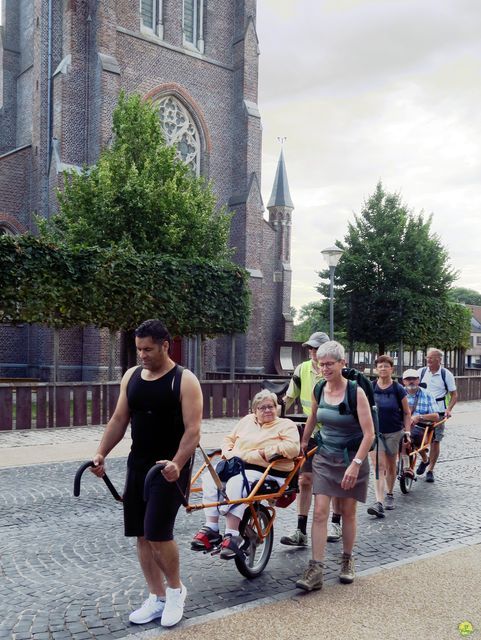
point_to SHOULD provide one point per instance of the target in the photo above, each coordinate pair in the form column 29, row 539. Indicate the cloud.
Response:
column 368, row 90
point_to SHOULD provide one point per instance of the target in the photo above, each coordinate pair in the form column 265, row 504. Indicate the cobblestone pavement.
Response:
column 66, row 571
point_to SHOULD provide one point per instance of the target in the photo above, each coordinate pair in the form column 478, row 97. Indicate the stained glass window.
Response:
column 180, row 131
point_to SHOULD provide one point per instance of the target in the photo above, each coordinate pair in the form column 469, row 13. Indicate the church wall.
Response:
column 93, row 60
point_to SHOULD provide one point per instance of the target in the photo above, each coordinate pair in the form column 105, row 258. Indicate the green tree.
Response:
column 313, row 316
column 465, row 296
column 392, row 270
column 141, row 195
column 139, row 198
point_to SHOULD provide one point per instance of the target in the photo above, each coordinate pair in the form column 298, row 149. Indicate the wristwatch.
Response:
column 357, row 461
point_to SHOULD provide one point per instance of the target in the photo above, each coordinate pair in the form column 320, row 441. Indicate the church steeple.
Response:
column 280, row 196
column 280, row 208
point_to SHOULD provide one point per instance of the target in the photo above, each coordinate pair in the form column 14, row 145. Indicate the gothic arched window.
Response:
column 180, row 131
column 5, row 230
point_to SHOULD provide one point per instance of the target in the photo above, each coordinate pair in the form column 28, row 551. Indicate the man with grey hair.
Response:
column 305, row 377
column 440, row 383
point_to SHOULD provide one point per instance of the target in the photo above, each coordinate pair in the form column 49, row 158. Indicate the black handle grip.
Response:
column 152, row 474
column 105, row 478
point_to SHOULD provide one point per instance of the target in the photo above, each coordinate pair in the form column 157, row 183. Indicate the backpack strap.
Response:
column 443, row 376
column 423, row 373
column 352, row 397
column 318, row 389
column 397, row 388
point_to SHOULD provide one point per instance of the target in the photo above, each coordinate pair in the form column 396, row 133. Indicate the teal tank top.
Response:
column 341, row 432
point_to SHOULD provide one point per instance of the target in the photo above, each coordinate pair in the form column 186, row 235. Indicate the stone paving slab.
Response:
column 66, row 571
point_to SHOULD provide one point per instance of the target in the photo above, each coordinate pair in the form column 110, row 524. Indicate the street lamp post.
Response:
column 332, row 255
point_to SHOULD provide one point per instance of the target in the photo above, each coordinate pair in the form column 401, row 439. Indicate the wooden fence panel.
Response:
column 80, row 406
column 217, row 400
column 105, row 404
column 206, row 391
column 23, row 403
column 41, row 406
column 51, row 405
column 95, row 417
column 230, row 401
column 244, row 399
column 62, row 406
column 6, row 408
column 113, row 391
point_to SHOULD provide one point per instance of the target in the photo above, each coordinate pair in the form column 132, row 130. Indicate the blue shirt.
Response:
column 426, row 402
column 389, row 407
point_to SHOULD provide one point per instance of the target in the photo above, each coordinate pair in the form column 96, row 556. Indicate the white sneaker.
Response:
column 174, row 606
column 151, row 609
column 334, row 532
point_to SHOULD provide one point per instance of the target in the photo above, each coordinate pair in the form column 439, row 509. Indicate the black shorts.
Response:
column 154, row 519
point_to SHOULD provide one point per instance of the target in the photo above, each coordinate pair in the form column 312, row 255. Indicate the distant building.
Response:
column 62, row 65
column 473, row 354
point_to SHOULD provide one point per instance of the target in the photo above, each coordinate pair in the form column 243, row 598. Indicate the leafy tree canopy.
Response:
column 465, row 296
column 140, row 195
column 392, row 268
column 313, row 316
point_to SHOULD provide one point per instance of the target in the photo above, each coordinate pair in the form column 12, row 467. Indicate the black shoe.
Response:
column 377, row 510
column 430, row 476
column 230, row 546
column 205, row 539
column 422, row 467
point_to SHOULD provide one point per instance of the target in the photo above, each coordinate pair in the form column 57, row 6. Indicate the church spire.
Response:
column 280, row 196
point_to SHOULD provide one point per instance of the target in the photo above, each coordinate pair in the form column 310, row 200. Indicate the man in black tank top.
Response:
column 163, row 403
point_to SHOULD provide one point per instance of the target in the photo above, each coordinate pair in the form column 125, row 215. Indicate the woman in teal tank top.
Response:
column 340, row 466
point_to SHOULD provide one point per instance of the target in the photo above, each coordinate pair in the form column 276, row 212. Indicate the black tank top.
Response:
column 155, row 418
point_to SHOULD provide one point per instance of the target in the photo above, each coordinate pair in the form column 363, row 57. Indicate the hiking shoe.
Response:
column 230, row 546
column 422, row 466
column 334, row 532
column 389, row 502
column 151, row 609
column 174, row 606
column 377, row 510
column 430, row 476
column 297, row 539
column 347, row 573
column 205, row 539
column 312, row 576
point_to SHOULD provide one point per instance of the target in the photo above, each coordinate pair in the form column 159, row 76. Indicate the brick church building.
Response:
column 62, row 65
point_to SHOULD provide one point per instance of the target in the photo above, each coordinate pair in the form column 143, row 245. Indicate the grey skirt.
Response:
column 327, row 473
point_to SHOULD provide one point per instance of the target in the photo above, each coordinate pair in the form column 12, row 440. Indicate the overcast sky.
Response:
column 369, row 90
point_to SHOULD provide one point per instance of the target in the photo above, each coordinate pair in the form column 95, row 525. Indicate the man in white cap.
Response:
column 306, row 375
column 440, row 383
column 423, row 408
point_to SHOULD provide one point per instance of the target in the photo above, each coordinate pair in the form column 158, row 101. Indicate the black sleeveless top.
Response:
column 155, row 418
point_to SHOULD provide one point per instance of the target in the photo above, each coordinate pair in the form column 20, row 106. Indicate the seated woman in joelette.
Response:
column 257, row 438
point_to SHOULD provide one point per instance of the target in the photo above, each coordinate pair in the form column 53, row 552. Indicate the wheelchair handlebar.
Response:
column 152, row 474
column 105, row 478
